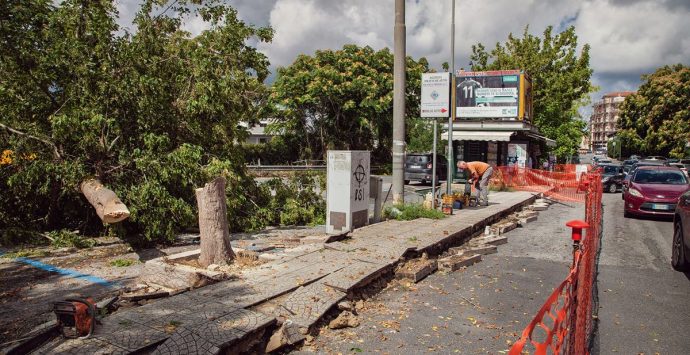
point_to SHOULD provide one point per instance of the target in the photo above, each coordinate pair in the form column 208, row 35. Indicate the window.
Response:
column 262, row 140
column 666, row 177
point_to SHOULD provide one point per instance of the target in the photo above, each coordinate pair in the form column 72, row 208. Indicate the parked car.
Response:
column 611, row 177
column 654, row 191
column 655, row 157
column 680, row 252
column 628, row 164
column 634, row 157
column 634, row 167
column 418, row 167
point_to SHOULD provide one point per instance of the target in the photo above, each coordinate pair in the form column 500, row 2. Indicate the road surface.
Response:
column 644, row 304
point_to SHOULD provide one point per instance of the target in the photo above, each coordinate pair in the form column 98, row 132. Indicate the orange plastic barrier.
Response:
column 564, row 324
column 560, row 185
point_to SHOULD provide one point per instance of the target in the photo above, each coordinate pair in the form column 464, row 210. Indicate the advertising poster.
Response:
column 492, row 94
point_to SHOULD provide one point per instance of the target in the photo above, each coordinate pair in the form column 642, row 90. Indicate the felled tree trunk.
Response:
column 213, row 224
column 108, row 206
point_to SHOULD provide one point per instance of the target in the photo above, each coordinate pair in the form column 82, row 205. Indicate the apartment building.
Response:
column 604, row 120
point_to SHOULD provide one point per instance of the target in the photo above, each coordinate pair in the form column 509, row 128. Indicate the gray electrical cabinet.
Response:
column 347, row 196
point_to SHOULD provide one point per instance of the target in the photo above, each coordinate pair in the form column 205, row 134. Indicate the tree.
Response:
column 152, row 114
column 343, row 99
column 656, row 119
column 560, row 79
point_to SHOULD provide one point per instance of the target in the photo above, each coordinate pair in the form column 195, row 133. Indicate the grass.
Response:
column 410, row 211
column 25, row 253
column 123, row 262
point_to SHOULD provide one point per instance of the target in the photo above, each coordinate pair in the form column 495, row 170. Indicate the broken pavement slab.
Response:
column 484, row 249
column 455, row 262
column 489, row 239
column 416, row 270
column 306, row 305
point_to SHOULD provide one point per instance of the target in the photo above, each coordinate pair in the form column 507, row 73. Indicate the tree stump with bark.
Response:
column 213, row 224
column 108, row 206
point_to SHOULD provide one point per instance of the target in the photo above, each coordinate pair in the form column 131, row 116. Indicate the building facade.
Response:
column 603, row 123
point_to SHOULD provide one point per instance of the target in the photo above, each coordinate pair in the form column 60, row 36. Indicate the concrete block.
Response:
column 481, row 249
column 417, row 271
column 539, row 207
column 506, row 227
column 490, row 239
column 455, row 262
column 526, row 220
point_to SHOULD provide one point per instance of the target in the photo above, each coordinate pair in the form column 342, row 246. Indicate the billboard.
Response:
column 500, row 94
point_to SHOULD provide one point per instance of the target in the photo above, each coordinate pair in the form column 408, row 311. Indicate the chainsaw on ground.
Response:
column 76, row 317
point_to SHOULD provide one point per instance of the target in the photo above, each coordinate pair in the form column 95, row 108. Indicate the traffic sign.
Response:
column 435, row 95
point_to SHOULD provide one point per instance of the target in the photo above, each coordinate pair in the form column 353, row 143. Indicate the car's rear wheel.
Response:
column 613, row 188
column 678, row 260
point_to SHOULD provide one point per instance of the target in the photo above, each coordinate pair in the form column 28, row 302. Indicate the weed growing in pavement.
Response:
column 25, row 253
column 64, row 238
column 123, row 262
column 410, row 211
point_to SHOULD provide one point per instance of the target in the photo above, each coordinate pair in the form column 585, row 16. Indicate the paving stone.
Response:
column 227, row 330
column 493, row 240
column 81, row 346
column 506, row 227
column 418, row 271
column 527, row 219
column 184, row 341
column 480, row 249
column 542, row 207
column 308, row 304
column 354, row 276
column 128, row 335
column 455, row 262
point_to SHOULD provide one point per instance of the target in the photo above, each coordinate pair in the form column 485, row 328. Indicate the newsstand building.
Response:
column 493, row 120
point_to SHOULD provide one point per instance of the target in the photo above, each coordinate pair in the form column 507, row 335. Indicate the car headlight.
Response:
column 635, row 193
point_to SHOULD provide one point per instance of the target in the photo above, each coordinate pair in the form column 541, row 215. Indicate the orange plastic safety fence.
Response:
column 559, row 185
column 566, row 318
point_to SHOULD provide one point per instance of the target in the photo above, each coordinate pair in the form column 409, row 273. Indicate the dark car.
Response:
column 628, row 164
column 680, row 260
column 654, row 191
column 418, row 167
column 611, row 176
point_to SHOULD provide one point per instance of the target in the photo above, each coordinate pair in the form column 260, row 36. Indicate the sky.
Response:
column 628, row 38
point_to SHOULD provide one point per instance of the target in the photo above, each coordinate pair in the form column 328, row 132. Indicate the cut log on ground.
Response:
column 108, row 206
column 213, row 224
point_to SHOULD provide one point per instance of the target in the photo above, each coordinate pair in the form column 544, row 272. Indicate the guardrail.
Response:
column 287, row 167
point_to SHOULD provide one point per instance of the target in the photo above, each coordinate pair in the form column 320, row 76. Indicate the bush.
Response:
column 410, row 211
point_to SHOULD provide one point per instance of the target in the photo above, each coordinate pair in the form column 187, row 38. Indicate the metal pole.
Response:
column 451, row 161
column 399, row 103
column 433, row 175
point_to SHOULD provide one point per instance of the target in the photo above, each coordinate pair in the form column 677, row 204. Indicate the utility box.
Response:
column 347, row 196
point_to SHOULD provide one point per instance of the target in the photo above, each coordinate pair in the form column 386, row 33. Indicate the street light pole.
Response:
column 399, row 102
column 451, row 161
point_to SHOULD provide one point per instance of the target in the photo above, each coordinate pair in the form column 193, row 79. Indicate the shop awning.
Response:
column 502, row 136
column 549, row 142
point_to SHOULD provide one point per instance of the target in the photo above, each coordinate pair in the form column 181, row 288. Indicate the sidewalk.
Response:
column 302, row 286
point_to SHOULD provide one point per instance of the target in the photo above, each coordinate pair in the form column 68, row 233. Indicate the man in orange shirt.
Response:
column 480, row 173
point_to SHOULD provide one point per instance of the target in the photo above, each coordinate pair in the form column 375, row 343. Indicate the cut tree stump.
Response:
column 213, row 224
column 108, row 206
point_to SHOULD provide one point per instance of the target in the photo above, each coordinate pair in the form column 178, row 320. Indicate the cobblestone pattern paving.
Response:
column 308, row 304
column 210, row 320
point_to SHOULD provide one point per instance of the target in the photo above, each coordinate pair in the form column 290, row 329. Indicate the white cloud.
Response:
column 628, row 37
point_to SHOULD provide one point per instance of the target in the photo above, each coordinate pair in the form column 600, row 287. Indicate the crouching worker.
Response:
column 479, row 175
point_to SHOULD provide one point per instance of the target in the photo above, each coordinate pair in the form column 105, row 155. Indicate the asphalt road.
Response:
column 644, row 304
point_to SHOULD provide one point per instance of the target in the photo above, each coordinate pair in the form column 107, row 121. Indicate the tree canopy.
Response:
column 560, row 78
column 153, row 114
column 343, row 99
column 656, row 119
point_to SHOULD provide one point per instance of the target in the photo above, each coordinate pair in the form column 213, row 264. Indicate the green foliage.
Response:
column 64, row 238
column 123, row 262
column 342, row 99
column 656, row 120
column 560, row 79
column 421, row 137
column 297, row 201
column 410, row 211
column 152, row 114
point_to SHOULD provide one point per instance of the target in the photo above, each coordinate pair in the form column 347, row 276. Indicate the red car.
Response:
column 654, row 191
column 680, row 255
